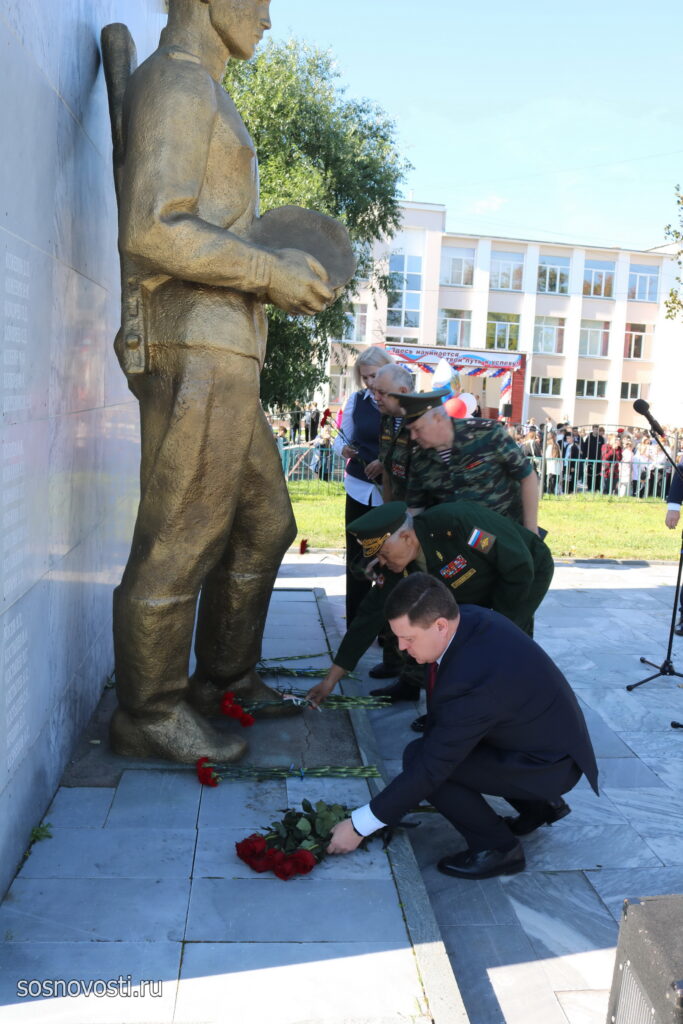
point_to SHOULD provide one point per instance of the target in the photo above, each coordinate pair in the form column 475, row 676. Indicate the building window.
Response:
column 549, row 335
column 591, row 388
column 594, row 338
column 457, row 267
column 502, row 331
column 643, row 283
column 635, row 338
column 454, row 327
column 507, row 269
column 404, row 296
column 341, row 383
column 629, row 390
column 548, row 386
column 553, row 274
column 598, row 279
column 356, row 323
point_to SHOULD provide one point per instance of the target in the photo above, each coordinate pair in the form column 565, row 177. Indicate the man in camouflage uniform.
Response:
column 486, row 558
column 394, row 439
column 470, row 459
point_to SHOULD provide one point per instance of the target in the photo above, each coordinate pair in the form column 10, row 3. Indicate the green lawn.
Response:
column 578, row 526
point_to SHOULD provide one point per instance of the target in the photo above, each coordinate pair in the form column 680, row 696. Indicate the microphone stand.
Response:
column 667, row 666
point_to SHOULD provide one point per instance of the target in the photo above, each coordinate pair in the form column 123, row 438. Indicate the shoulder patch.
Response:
column 480, row 540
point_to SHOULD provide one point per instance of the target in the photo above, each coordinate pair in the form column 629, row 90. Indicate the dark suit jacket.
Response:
column 675, row 495
column 494, row 685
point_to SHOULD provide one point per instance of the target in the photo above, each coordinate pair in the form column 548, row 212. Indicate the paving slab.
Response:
column 100, row 853
column 265, row 909
column 102, row 909
column 80, row 807
column 373, row 982
column 144, row 973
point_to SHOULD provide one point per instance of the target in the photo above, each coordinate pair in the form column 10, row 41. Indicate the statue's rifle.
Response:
column 119, row 59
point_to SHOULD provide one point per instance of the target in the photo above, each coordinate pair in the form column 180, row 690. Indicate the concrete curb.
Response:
column 559, row 560
column 440, row 987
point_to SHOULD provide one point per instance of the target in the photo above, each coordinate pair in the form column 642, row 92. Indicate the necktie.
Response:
column 431, row 678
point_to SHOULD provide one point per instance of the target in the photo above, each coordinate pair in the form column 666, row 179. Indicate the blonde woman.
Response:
column 358, row 443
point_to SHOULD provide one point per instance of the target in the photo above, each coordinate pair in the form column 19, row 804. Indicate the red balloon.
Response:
column 456, row 408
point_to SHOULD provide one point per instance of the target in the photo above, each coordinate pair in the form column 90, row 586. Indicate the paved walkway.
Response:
column 140, row 878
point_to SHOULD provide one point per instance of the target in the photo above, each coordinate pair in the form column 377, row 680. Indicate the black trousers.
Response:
column 520, row 778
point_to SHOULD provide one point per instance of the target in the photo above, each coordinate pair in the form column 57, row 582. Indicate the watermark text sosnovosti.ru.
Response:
column 63, row 988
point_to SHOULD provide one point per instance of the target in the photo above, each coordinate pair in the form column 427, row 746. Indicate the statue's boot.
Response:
column 232, row 617
column 207, row 695
column 152, row 645
column 183, row 736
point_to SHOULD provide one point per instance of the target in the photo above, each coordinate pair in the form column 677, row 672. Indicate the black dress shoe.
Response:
column 419, row 724
column 483, row 863
column 381, row 671
column 541, row 813
column 679, row 627
column 397, row 691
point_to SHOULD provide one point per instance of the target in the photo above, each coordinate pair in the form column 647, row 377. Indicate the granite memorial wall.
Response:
column 69, row 442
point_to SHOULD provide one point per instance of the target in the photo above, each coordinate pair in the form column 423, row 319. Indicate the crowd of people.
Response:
column 625, row 462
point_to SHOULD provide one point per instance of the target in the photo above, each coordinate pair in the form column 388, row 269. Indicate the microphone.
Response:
column 642, row 407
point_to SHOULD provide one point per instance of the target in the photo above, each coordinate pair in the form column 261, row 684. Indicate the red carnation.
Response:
column 304, row 860
column 233, row 711
column 246, row 719
column 205, row 773
column 229, row 696
column 286, row 869
column 303, row 546
column 276, row 857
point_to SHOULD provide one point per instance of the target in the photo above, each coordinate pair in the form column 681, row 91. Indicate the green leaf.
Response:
column 307, row 806
column 304, row 826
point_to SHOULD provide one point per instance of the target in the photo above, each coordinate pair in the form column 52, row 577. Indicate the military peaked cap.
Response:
column 376, row 526
column 416, row 404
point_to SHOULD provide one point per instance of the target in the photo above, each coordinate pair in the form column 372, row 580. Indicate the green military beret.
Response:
column 376, row 526
column 417, row 404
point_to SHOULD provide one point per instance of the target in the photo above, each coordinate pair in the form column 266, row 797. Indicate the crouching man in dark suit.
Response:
column 502, row 720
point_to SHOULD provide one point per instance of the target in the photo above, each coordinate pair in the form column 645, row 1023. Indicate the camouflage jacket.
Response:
column 485, row 466
column 395, row 449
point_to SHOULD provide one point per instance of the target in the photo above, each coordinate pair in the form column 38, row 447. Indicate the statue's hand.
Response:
column 298, row 283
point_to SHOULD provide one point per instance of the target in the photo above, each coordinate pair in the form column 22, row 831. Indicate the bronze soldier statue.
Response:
column 215, row 517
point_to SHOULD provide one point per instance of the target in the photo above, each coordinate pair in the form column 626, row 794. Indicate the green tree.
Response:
column 320, row 149
column 674, row 303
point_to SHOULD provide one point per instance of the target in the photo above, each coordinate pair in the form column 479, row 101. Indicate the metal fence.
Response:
column 313, row 469
column 637, row 479
column 316, row 470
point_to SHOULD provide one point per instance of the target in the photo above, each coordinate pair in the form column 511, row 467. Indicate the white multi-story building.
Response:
column 578, row 332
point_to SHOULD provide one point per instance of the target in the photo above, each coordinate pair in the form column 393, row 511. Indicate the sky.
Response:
column 560, row 120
